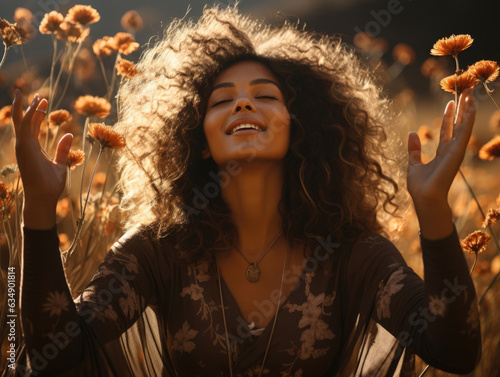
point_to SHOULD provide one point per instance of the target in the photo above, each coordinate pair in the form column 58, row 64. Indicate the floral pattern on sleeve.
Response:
column 56, row 303
column 387, row 290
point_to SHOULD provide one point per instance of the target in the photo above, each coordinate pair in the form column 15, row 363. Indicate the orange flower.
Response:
column 492, row 217
column 460, row 82
column 125, row 68
column 132, row 21
column 75, row 158
column 51, row 23
column 124, row 43
column 101, row 47
column 72, row 33
column 475, row 242
column 21, row 14
column 485, row 70
column 403, row 53
column 5, row 115
column 83, row 15
column 6, row 201
column 59, row 117
column 89, row 106
column 106, row 136
column 12, row 34
column 491, row 149
column 452, row 45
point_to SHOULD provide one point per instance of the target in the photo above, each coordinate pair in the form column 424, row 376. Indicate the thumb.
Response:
column 63, row 148
column 414, row 149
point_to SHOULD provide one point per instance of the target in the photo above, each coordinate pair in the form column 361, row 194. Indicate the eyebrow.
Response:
column 253, row 82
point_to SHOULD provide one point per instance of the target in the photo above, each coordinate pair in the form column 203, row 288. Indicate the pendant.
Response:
column 253, row 272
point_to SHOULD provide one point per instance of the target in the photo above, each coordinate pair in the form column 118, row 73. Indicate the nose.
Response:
column 243, row 103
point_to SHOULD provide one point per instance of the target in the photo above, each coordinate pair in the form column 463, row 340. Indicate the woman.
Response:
column 256, row 187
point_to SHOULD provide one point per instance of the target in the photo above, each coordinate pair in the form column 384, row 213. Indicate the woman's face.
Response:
column 246, row 117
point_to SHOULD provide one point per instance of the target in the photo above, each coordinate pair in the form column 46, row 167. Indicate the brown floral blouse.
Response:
column 357, row 310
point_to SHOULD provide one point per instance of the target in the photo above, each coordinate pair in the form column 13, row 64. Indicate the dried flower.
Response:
column 403, row 53
column 132, row 21
column 485, row 70
column 124, row 43
column 21, row 14
column 6, row 201
column 101, row 47
column 90, row 105
column 475, row 242
column 491, row 149
column 492, row 217
column 12, row 34
column 75, row 158
column 83, row 15
column 5, row 115
column 125, row 68
column 106, row 136
column 460, row 82
column 8, row 170
column 51, row 23
column 72, row 33
column 59, row 117
column 452, row 45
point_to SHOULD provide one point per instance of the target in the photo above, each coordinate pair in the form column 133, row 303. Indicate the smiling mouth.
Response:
column 246, row 128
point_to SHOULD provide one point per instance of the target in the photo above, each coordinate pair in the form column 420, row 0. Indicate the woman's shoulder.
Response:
column 373, row 251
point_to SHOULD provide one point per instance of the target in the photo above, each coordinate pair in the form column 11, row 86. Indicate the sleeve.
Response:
column 438, row 318
column 60, row 333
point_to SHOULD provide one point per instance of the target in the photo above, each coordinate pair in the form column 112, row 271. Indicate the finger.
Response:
column 447, row 123
column 466, row 115
column 17, row 110
column 414, row 149
column 63, row 148
column 25, row 126
column 39, row 116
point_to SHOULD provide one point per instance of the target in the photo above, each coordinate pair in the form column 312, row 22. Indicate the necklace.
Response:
column 274, row 320
column 253, row 270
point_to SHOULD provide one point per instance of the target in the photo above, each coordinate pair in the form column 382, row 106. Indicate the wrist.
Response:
column 435, row 219
column 39, row 215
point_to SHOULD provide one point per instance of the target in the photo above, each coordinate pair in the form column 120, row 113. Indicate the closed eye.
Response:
column 221, row 102
column 267, row 97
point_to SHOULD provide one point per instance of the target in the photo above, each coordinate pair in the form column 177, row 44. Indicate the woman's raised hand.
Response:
column 43, row 179
column 430, row 183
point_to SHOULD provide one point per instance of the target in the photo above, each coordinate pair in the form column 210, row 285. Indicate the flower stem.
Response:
column 489, row 287
column 54, row 56
column 82, row 218
column 4, row 55
column 63, row 62
column 473, row 265
column 103, row 72
column 70, row 71
column 479, row 208
column 489, row 94
column 113, row 78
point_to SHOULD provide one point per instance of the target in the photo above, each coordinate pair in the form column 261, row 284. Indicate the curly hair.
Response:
column 338, row 182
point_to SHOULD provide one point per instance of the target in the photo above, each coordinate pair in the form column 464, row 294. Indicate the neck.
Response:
column 253, row 197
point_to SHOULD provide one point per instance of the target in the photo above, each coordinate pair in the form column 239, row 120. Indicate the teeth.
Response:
column 246, row 125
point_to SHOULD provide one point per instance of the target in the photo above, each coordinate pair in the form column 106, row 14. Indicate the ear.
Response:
column 205, row 153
